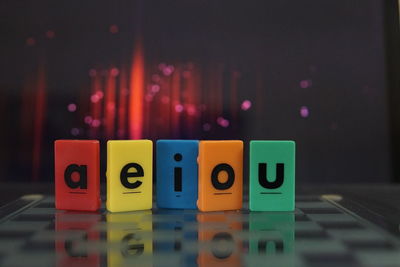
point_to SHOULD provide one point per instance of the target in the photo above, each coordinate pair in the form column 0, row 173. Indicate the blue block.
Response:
column 177, row 174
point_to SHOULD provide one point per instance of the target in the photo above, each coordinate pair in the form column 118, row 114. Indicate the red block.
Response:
column 77, row 179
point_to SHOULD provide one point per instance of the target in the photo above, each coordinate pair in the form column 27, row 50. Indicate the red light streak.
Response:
column 234, row 94
column 175, row 99
column 96, row 106
column 110, row 105
column 123, row 102
column 136, row 88
column 40, row 109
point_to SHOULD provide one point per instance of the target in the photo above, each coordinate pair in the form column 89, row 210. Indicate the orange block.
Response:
column 220, row 175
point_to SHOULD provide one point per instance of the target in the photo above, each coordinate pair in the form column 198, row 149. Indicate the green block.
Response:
column 271, row 233
column 272, row 175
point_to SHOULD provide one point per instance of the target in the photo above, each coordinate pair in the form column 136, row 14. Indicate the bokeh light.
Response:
column 305, row 84
column 71, row 107
column 304, row 112
column 114, row 29
column 246, row 105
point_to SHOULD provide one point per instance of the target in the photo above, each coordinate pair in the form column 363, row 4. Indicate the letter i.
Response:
column 178, row 174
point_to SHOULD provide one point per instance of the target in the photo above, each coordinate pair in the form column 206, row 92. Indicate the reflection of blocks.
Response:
column 129, row 175
column 74, row 234
column 177, row 182
column 271, row 233
column 77, row 179
column 272, row 175
column 220, row 175
column 129, row 235
column 218, row 242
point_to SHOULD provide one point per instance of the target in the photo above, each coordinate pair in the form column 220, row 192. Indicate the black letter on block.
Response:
column 81, row 170
column 178, row 174
column 262, row 176
column 231, row 176
column 125, row 174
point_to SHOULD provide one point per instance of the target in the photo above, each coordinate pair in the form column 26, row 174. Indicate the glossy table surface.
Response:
column 332, row 230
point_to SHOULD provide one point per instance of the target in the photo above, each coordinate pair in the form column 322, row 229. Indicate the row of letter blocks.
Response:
column 190, row 174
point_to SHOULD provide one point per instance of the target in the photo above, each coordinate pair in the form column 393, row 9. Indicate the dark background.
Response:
column 311, row 71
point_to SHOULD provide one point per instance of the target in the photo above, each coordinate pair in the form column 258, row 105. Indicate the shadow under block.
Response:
column 176, row 185
column 129, row 175
column 220, row 175
column 272, row 176
column 77, row 175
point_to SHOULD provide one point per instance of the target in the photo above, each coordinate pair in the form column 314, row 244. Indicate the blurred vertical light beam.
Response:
column 136, row 88
column 96, row 99
column 175, row 99
column 110, row 104
column 137, row 75
column 123, row 94
column 40, row 109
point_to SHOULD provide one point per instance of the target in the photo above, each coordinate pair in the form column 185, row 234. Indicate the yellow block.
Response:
column 129, row 238
column 129, row 175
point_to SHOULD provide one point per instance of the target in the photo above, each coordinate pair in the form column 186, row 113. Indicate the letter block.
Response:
column 177, row 174
column 220, row 175
column 272, row 175
column 129, row 175
column 77, row 174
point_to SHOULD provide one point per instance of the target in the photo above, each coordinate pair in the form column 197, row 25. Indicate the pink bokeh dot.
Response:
column 96, row 123
column 223, row 122
column 100, row 94
column 94, row 98
column 71, row 107
column 167, row 71
column 88, row 119
column 155, row 88
column 305, row 84
column 304, row 112
column 246, row 105
column 178, row 108
column 75, row 131
column 114, row 72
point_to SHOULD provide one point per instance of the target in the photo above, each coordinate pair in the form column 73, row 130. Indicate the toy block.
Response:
column 272, row 176
column 77, row 175
column 129, row 175
column 130, row 237
column 177, row 182
column 220, row 175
